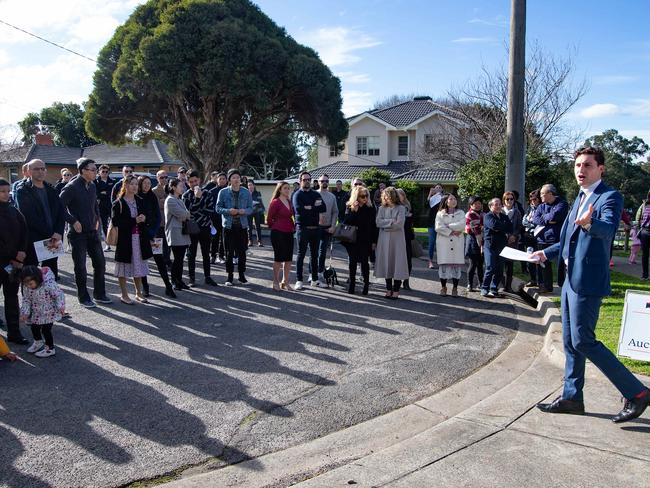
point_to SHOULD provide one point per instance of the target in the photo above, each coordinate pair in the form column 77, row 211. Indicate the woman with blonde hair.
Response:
column 360, row 212
column 450, row 248
column 390, row 262
column 409, row 235
column 280, row 220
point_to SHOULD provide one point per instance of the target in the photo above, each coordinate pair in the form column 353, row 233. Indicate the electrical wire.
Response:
column 48, row 41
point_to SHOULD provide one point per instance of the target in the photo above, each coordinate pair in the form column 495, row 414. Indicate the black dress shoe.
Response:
column 210, row 281
column 559, row 405
column 170, row 292
column 633, row 408
column 18, row 340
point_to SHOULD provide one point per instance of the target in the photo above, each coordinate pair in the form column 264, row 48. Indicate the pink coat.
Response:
column 44, row 304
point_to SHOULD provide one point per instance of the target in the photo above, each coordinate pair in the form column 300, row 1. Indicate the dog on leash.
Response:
column 330, row 276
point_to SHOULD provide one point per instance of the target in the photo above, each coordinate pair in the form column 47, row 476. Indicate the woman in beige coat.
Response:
column 391, row 262
column 450, row 244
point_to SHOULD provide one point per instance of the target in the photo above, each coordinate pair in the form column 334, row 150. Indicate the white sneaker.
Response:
column 298, row 285
column 228, row 283
column 321, row 283
column 36, row 346
column 107, row 248
column 221, row 261
column 45, row 353
column 249, row 253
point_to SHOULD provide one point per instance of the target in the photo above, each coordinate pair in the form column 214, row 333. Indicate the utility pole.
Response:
column 516, row 149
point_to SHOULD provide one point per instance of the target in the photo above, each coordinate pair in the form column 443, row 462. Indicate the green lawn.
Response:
column 611, row 313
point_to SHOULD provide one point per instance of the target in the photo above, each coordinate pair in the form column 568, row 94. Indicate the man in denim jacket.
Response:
column 235, row 204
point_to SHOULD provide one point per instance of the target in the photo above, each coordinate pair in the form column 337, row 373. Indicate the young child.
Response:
column 635, row 246
column 43, row 304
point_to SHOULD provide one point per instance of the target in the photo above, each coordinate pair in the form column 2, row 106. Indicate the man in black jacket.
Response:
column 104, row 184
column 13, row 247
column 39, row 203
column 79, row 197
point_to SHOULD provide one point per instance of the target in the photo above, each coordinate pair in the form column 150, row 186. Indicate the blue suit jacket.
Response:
column 589, row 251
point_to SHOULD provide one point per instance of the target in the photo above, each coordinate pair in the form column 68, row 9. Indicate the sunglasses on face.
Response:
column 365, row 197
column 306, row 179
column 104, row 171
column 509, row 199
column 324, row 181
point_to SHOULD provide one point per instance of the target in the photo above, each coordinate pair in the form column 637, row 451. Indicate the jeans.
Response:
column 255, row 220
column 432, row 242
column 88, row 243
column 12, row 310
column 644, row 237
column 177, row 264
column 475, row 268
column 203, row 239
column 311, row 238
column 579, row 318
column 236, row 240
column 323, row 246
column 493, row 270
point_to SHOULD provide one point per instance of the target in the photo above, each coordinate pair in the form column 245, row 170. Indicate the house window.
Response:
column 368, row 146
column 428, row 142
column 334, row 151
column 403, row 146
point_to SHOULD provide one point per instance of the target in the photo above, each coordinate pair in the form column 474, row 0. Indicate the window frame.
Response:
column 399, row 148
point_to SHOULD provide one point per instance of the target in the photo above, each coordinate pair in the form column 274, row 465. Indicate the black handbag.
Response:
column 346, row 233
column 190, row 228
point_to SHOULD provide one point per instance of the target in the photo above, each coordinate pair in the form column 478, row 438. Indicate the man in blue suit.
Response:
column 585, row 243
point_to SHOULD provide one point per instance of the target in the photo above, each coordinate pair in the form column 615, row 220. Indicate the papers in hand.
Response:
column 157, row 245
column 516, row 255
column 45, row 250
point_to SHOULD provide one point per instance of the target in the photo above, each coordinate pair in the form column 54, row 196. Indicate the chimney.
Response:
column 44, row 139
column 422, row 98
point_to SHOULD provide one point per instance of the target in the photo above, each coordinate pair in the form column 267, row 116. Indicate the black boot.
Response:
column 366, row 284
column 145, row 287
column 169, row 291
column 406, row 285
column 351, row 286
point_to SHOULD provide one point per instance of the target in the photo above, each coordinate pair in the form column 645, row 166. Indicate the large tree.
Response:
column 625, row 170
column 276, row 157
column 214, row 77
column 65, row 121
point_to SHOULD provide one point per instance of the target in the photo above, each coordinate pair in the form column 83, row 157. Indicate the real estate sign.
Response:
column 634, row 341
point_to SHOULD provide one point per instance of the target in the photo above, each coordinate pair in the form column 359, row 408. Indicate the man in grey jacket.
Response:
column 327, row 224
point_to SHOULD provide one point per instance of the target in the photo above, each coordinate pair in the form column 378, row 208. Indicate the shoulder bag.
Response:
column 346, row 233
column 190, row 228
column 112, row 232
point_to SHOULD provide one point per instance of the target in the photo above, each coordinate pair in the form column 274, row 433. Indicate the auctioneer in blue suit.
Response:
column 586, row 251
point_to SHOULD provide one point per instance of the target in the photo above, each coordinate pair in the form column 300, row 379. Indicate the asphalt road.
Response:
column 225, row 374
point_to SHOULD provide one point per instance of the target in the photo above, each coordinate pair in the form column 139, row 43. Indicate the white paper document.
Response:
column 45, row 251
column 157, row 245
column 517, row 255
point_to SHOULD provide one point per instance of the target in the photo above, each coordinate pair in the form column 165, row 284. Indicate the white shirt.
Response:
column 587, row 192
column 435, row 199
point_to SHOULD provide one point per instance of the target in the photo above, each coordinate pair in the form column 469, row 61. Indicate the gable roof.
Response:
column 153, row 152
column 55, row 154
column 15, row 154
column 406, row 113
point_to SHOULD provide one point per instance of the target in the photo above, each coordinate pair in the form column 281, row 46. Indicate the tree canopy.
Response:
column 65, row 121
column 214, row 77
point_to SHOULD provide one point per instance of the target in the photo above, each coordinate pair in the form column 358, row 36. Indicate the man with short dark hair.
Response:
column 18, row 183
column 104, row 184
column 127, row 170
column 217, row 248
column 39, row 203
column 159, row 191
column 342, row 197
column 79, row 197
column 327, row 224
column 307, row 205
column 584, row 245
column 201, row 205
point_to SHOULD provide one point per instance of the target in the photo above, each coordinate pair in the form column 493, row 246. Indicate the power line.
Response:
column 49, row 42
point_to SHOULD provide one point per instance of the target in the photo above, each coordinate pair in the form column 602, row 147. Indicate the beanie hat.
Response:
column 83, row 162
column 232, row 172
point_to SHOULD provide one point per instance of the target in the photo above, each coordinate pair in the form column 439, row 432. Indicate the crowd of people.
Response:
column 172, row 219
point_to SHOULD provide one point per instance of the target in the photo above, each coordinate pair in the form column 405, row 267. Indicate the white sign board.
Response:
column 634, row 341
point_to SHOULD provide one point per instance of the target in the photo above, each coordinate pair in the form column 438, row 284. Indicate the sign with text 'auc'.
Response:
column 634, row 341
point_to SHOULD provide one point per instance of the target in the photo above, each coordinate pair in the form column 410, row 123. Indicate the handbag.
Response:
column 190, row 228
column 112, row 232
column 346, row 233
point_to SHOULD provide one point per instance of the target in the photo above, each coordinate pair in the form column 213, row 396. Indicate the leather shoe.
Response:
column 633, row 408
column 18, row 340
column 560, row 405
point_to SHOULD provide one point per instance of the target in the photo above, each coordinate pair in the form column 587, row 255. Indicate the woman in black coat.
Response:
column 133, row 243
column 151, row 211
column 360, row 213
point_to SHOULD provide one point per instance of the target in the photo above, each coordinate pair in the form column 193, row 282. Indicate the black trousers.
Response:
column 475, row 269
column 105, row 216
column 218, row 247
column 12, row 311
column 43, row 330
column 88, row 243
column 358, row 255
column 202, row 239
column 311, row 238
column 545, row 274
column 644, row 237
column 177, row 264
column 255, row 219
column 161, row 264
column 236, row 240
column 393, row 285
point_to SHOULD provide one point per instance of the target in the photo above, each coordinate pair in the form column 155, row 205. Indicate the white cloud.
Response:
column 353, row 78
column 600, row 110
column 614, row 79
column 498, row 21
column 473, row 40
column 640, row 107
column 355, row 102
column 4, row 57
column 337, row 45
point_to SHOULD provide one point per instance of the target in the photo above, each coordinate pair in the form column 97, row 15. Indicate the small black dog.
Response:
column 330, row 276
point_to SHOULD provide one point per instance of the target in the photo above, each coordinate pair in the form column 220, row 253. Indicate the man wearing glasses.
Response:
column 105, row 186
column 127, row 170
column 182, row 175
column 308, row 205
column 79, row 198
column 66, row 175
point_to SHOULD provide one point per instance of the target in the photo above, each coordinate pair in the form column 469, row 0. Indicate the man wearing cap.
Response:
column 79, row 197
column 235, row 204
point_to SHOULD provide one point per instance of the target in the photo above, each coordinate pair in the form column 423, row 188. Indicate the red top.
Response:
column 279, row 217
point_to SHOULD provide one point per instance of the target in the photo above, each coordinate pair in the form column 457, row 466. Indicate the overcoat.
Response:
column 390, row 261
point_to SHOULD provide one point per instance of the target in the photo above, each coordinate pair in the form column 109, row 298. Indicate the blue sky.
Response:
column 377, row 48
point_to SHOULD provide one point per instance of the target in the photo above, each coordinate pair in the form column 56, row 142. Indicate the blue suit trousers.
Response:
column 579, row 318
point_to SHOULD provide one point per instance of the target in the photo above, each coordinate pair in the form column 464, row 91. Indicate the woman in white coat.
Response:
column 450, row 244
column 390, row 261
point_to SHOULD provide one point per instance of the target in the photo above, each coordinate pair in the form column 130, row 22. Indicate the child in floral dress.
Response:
column 43, row 304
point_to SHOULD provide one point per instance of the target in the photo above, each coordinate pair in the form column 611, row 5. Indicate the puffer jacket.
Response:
column 44, row 304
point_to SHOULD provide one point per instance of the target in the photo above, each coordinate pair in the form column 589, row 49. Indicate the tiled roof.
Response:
column 55, row 154
column 406, row 113
column 154, row 152
column 402, row 170
column 15, row 155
